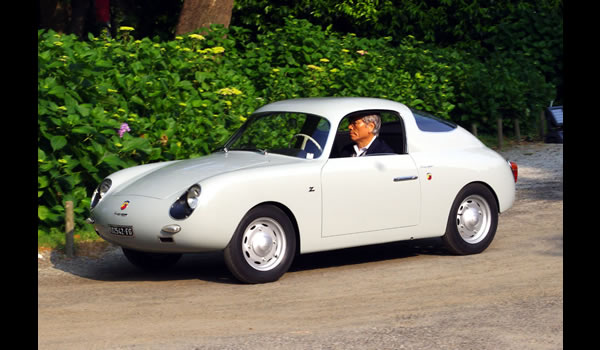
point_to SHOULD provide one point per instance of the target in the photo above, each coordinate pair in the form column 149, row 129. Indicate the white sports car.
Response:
column 280, row 187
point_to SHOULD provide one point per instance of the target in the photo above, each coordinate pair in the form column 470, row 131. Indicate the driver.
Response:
column 364, row 131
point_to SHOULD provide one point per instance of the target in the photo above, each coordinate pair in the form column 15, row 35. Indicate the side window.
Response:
column 386, row 117
column 391, row 133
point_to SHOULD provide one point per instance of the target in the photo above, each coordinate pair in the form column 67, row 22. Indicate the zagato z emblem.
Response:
column 124, row 205
column 311, row 189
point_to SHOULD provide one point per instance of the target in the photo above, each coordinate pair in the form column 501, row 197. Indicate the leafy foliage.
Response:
column 301, row 60
column 510, row 52
column 175, row 103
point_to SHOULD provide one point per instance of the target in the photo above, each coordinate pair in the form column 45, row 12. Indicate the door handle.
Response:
column 405, row 178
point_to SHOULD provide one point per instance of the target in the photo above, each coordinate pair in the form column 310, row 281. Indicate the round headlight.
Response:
column 104, row 187
column 192, row 196
column 100, row 192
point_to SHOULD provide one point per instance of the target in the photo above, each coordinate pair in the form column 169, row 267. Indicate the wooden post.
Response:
column 542, row 125
column 69, row 228
column 517, row 131
column 474, row 129
column 499, row 121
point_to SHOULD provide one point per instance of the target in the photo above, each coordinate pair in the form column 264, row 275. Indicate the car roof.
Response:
column 334, row 108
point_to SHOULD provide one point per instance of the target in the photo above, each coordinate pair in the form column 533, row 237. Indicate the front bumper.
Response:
column 144, row 224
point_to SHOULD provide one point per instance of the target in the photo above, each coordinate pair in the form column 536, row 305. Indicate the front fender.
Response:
column 227, row 198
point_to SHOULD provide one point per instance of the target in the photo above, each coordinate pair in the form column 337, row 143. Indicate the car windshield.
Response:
column 292, row 134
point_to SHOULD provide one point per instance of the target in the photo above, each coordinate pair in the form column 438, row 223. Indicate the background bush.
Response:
column 176, row 102
column 109, row 103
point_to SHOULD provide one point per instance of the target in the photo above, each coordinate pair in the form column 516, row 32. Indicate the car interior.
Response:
column 392, row 132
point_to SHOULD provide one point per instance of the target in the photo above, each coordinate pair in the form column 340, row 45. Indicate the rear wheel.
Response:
column 263, row 246
column 150, row 261
column 472, row 221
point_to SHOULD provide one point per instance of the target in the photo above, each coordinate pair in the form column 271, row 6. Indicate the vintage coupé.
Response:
column 278, row 188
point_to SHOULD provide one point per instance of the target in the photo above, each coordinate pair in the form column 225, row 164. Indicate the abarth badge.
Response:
column 124, row 205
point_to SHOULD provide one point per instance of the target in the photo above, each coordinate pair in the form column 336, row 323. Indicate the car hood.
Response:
column 178, row 176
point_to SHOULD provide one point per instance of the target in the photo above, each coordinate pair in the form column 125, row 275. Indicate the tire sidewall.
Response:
column 233, row 253
column 452, row 238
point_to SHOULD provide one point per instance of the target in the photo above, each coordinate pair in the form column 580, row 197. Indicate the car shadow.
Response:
column 368, row 254
column 113, row 266
column 210, row 267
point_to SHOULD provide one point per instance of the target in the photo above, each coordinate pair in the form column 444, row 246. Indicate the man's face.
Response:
column 360, row 132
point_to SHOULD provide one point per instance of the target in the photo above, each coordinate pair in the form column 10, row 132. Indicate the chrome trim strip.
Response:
column 405, row 178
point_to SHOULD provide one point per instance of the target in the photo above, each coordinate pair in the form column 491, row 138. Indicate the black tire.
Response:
column 472, row 221
column 151, row 261
column 262, row 247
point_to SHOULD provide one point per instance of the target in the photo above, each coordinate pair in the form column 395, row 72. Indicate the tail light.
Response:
column 515, row 169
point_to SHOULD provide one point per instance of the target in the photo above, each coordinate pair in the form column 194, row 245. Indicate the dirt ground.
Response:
column 407, row 295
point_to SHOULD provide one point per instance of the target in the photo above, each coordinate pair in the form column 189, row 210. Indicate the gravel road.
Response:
column 406, row 295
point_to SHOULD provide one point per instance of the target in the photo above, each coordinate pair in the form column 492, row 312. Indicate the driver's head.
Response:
column 363, row 128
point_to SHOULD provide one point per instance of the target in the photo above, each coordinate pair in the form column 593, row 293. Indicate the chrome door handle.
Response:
column 405, row 178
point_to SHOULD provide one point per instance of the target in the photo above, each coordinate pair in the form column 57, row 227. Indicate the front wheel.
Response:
column 262, row 247
column 472, row 221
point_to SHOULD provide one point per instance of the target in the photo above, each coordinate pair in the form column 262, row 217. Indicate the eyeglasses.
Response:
column 356, row 123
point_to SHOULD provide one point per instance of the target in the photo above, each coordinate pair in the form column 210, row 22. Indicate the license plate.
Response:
column 126, row 231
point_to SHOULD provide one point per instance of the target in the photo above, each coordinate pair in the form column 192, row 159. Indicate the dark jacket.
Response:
column 377, row 147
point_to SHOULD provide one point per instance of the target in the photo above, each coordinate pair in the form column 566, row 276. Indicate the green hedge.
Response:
column 176, row 102
column 105, row 104
column 519, row 42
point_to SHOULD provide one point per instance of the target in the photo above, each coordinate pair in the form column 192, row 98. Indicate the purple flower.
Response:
column 124, row 128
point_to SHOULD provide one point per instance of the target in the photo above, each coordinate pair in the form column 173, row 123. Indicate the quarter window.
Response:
column 430, row 123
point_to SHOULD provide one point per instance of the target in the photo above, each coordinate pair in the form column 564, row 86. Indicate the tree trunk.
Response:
column 53, row 15
column 80, row 10
column 197, row 14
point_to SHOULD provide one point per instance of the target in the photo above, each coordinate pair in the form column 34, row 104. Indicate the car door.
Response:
column 363, row 194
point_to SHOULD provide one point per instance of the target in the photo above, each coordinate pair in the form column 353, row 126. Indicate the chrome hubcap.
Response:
column 473, row 219
column 263, row 244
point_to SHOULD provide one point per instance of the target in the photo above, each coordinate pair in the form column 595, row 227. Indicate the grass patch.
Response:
column 56, row 239
column 86, row 243
column 509, row 141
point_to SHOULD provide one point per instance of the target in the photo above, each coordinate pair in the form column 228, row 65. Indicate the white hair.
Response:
column 375, row 119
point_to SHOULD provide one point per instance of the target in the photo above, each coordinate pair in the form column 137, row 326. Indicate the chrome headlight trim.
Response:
column 100, row 192
column 192, row 196
column 186, row 203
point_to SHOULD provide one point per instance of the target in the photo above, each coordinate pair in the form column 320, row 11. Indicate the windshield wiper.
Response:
column 263, row 151
column 221, row 149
